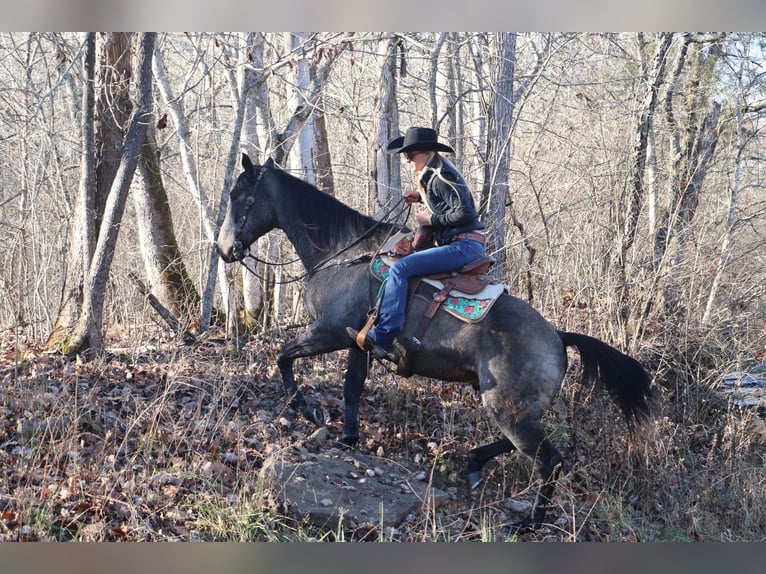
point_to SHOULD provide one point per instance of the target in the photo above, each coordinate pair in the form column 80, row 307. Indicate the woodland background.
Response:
column 621, row 179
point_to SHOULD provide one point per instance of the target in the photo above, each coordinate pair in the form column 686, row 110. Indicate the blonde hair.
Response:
column 438, row 173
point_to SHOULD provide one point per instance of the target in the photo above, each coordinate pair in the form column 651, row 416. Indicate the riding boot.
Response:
column 368, row 345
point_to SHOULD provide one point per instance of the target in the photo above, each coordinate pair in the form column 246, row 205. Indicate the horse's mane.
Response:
column 324, row 216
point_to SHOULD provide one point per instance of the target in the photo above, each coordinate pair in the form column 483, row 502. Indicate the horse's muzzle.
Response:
column 232, row 254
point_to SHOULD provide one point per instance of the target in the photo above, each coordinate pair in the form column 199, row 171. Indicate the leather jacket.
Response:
column 451, row 203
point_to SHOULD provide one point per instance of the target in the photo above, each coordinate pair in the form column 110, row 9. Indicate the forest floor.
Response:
column 170, row 443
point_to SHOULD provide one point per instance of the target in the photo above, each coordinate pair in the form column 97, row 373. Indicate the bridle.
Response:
column 237, row 247
column 241, row 256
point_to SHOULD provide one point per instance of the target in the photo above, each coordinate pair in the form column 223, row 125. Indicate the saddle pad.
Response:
column 470, row 308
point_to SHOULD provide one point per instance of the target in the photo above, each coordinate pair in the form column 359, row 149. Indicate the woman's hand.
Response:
column 423, row 217
column 411, row 197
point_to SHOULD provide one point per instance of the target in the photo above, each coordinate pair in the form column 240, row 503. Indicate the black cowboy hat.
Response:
column 417, row 139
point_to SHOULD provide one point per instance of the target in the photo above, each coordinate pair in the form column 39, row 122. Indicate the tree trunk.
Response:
column 253, row 144
column 284, row 140
column 301, row 162
column 434, row 81
column 87, row 338
column 82, row 226
column 725, row 254
column 477, row 162
column 188, row 163
column 634, row 189
column 168, row 278
column 112, row 113
column 215, row 265
column 322, row 159
column 496, row 189
column 704, row 147
column 385, row 172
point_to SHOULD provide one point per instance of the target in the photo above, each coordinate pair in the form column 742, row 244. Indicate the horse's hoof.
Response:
column 524, row 526
column 349, row 441
column 314, row 415
column 346, row 443
column 474, row 479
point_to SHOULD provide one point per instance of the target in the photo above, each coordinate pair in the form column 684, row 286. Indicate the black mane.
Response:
column 327, row 220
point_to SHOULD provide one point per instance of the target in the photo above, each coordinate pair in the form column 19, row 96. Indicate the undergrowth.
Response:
column 168, row 444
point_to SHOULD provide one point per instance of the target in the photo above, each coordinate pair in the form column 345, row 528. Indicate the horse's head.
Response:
column 249, row 213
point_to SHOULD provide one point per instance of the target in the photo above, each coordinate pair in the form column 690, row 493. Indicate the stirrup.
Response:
column 370, row 347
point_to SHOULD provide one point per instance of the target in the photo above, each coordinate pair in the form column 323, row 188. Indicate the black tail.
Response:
column 624, row 378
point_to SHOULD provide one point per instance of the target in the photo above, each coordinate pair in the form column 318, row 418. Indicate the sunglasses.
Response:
column 410, row 155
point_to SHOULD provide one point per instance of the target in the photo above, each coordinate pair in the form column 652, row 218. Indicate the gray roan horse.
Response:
column 513, row 357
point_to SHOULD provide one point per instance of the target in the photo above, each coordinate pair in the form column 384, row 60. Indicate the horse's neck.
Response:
column 313, row 253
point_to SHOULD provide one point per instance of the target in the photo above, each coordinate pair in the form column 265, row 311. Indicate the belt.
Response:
column 472, row 235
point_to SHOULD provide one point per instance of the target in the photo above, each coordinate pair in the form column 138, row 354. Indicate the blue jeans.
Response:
column 442, row 259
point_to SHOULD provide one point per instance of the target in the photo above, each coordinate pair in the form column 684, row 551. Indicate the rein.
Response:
column 324, row 262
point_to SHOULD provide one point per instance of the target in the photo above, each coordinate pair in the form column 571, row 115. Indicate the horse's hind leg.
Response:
column 532, row 442
column 529, row 438
column 478, row 457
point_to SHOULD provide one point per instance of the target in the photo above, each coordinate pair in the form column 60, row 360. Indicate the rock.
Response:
column 518, row 505
column 337, row 486
column 52, row 427
column 745, row 389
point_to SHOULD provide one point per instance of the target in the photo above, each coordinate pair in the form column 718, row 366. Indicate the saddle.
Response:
column 464, row 283
column 470, row 279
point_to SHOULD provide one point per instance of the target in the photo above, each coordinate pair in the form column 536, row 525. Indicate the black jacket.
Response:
column 451, row 202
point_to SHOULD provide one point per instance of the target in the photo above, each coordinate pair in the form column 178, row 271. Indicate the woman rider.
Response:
column 449, row 209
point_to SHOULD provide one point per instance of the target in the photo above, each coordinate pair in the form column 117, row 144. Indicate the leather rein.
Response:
column 250, row 201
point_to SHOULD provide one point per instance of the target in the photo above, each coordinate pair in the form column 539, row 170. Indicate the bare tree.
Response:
column 87, row 338
column 748, row 81
column 386, row 174
column 82, row 227
column 618, row 165
column 495, row 193
column 163, row 262
column 635, row 191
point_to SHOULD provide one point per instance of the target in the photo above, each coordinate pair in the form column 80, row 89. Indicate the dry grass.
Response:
column 167, row 445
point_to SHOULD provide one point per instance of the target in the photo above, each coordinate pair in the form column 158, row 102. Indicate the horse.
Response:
column 514, row 357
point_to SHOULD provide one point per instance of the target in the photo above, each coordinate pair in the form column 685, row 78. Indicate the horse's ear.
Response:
column 269, row 162
column 247, row 165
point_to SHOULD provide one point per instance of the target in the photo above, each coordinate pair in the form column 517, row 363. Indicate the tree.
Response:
column 163, row 262
column 634, row 191
column 386, row 174
column 748, row 83
column 82, row 231
column 87, row 338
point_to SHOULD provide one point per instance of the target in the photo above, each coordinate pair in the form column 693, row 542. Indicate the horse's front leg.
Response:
column 305, row 345
column 356, row 373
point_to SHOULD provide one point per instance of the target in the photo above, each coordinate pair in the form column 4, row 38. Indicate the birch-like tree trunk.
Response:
column 635, row 191
column 215, row 265
column 301, row 159
column 254, row 138
column 743, row 107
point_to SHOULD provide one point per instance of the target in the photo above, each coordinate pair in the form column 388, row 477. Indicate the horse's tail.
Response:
column 624, row 378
